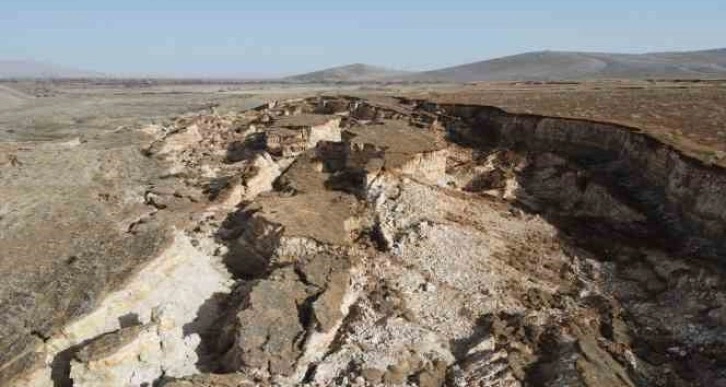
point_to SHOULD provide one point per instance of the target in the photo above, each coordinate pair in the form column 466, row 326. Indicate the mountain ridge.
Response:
column 577, row 65
column 547, row 65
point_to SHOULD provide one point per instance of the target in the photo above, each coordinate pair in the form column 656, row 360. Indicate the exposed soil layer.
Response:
column 688, row 114
column 683, row 195
column 342, row 241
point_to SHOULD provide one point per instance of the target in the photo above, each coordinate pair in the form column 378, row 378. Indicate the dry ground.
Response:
column 72, row 181
column 687, row 114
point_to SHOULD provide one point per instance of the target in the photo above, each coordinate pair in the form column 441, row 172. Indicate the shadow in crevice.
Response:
column 249, row 242
column 61, row 364
column 481, row 331
column 61, row 367
column 249, row 246
column 211, row 319
column 247, row 149
column 129, row 320
column 347, row 165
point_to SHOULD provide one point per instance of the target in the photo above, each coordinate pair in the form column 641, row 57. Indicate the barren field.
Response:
column 227, row 234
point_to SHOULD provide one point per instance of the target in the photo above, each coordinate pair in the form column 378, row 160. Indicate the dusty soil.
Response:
column 349, row 241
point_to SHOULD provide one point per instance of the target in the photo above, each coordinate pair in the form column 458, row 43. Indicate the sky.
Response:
column 218, row 38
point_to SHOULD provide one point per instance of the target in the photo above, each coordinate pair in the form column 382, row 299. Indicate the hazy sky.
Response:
column 274, row 37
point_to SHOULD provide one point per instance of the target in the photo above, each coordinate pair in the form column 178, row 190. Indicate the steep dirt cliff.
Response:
column 682, row 194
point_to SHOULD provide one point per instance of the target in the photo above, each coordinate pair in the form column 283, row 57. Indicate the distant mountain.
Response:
column 357, row 72
column 535, row 66
column 13, row 69
column 558, row 65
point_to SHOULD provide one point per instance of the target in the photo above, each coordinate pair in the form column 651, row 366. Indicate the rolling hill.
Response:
column 357, row 72
column 559, row 65
column 530, row 66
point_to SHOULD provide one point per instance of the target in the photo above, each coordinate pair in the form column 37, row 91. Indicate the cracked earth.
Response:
column 345, row 241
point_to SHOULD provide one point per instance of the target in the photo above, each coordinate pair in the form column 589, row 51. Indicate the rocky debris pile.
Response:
column 341, row 241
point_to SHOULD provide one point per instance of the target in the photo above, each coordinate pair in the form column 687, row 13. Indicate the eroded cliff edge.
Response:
column 683, row 194
column 348, row 241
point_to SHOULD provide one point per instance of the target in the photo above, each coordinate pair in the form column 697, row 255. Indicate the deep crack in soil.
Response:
column 342, row 241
